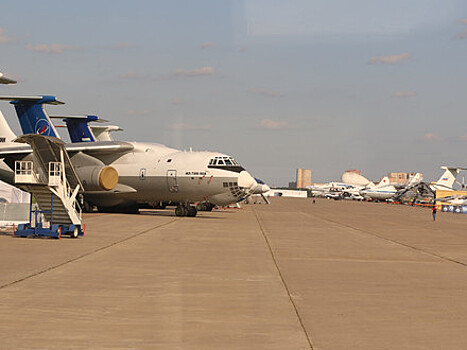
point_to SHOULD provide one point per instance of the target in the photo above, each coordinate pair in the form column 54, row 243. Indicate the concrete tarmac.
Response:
column 291, row 275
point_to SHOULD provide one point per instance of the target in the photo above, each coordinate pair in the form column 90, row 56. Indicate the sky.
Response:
column 373, row 85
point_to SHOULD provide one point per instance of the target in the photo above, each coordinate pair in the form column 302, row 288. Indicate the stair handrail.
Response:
column 31, row 171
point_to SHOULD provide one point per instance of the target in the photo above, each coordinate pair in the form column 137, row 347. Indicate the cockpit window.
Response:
column 227, row 163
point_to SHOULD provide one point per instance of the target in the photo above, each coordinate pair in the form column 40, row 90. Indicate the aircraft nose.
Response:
column 245, row 180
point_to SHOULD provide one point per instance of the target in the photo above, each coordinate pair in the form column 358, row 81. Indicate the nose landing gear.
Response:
column 185, row 210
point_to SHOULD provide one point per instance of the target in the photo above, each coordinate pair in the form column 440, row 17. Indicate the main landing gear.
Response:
column 204, row 206
column 185, row 210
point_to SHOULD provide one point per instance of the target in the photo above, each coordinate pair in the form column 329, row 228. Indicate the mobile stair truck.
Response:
column 49, row 176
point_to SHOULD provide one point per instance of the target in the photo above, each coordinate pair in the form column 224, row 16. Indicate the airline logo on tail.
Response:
column 42, row 127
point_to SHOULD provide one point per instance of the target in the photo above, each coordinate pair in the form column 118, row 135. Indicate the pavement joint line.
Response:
column 289, row 294
column 54, row 267
column 432, row 254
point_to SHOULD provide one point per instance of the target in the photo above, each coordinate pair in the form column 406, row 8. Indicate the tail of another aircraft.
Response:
column 31, row 114
column 383, row 183
column 414, row 180
column 78, row 127
column 446, row 181
column 6, row 134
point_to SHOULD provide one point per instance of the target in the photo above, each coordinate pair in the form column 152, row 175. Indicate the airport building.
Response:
column 399, row 178
column 303, row 178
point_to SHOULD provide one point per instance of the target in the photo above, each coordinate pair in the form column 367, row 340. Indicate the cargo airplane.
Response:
column 124, row 176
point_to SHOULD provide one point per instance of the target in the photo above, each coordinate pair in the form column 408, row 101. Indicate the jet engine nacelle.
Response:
column 98, row 178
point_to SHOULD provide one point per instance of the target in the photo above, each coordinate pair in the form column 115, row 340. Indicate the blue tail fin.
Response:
column 79, row 130
column 31, row 114
column 78, row 126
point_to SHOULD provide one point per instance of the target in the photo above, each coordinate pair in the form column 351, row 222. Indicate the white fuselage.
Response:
column 154, row 173
column 380, row 194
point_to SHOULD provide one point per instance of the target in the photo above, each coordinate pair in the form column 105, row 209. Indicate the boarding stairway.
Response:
column 51, row 179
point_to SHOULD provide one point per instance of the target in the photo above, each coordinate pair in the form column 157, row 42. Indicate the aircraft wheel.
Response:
column 191, row 212
column 180, row 211
column 87, row 208
column 75, row 233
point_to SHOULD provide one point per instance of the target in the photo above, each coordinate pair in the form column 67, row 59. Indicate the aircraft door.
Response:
column 172, row 180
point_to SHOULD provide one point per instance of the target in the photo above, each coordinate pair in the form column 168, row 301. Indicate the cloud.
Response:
column 462, row 21
column 462, row 138
column 188, row 126
column 207, row 45
column 273, row 124
column 4, row 39
column 50, row 48
column 197, row 72
column 392, row 59
column 132, row 75
column 431, row 137
column 267, row 92
column 404, row 94
column 461, row 35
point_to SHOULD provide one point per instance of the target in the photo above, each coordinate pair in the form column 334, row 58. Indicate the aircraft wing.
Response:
column 120, row 188
column 10, row 149
column 14, row 151
column 99, row 147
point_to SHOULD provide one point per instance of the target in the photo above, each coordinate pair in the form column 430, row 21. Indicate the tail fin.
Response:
column 78, row 127
column 103, row 132
column 446, row 181
column 31, row 114
column 383, row 183
column 6, row 134
column 414, row 180
column 80, row 130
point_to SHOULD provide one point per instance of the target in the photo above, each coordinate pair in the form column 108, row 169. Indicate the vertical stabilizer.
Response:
column 78, row 128
column 383, row 183
column 32, row 115
column 446, row 181
column 6, row 134
column 414, row 180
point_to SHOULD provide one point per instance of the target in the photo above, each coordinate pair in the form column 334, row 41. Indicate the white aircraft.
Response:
column 5, row 80
column 124, row 176
column 461, row 200
column 338, row 190
column 447, row 180
column 384, row 190
column 380, row 192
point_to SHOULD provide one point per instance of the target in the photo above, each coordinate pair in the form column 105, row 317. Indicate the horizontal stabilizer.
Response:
column 5, row 80
column 89, row 118
column 78, row 126
column 46, row 99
